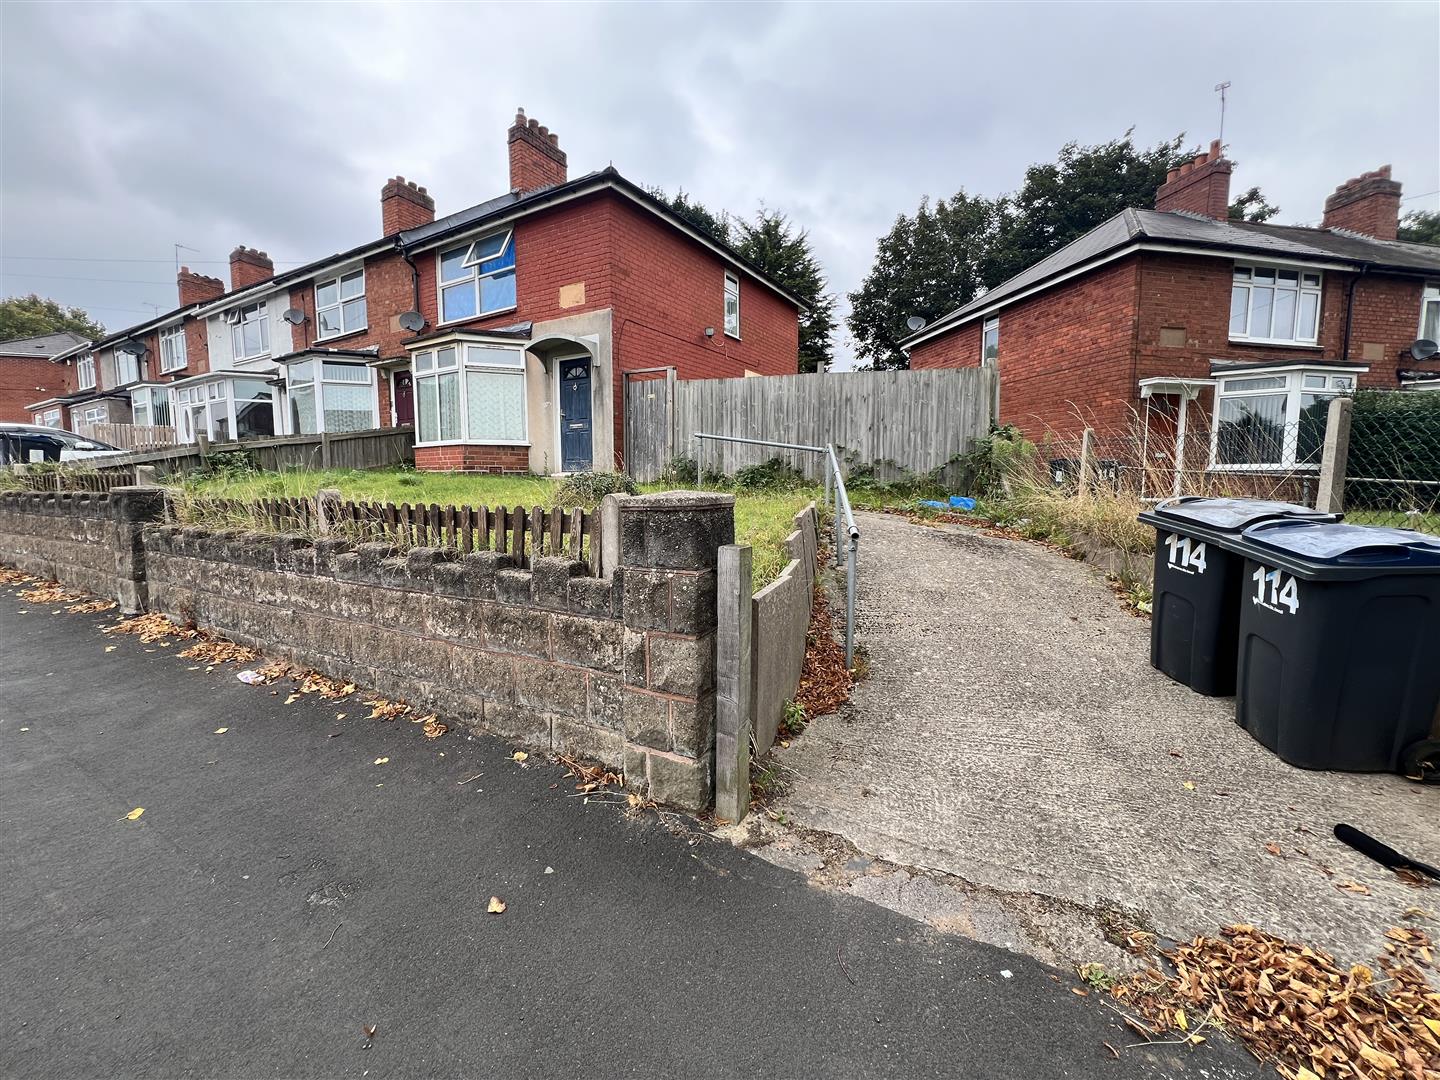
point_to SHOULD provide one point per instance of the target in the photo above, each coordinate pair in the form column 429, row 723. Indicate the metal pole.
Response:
column 850, row 603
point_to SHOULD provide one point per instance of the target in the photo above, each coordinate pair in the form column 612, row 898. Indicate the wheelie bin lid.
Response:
column 1223, row 520
column 1334, row 549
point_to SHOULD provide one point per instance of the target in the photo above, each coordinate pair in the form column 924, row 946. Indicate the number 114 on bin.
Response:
column 1283, row 595
column 1185, row 554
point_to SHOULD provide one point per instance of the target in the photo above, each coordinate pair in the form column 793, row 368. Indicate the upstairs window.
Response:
column 340, row 305
column 732, row 306
column 478, row 278
column 1274, row 304
column 85, row 372
column 172, row 348
column 990, row 339
column 249, row 332
column 1430, row 313
column 127, row 367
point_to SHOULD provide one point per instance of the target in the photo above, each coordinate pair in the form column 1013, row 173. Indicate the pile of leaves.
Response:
column 150, row 629
column 50, row 592
column 381, row 709
column 433, row 728
column 824, row 680
column 590, row 777
column 91, row 607
column 1296, row 1008
column 219, row 651
column 15, row 577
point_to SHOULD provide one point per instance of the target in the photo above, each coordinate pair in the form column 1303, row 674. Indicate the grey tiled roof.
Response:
column 41, row 347
column 1156, row 227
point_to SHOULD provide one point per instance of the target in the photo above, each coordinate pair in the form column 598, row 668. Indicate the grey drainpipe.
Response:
column 415, row 275
column 1350, row 310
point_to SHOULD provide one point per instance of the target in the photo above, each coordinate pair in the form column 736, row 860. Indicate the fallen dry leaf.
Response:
column 496, row 906
column 91, row 607
column 292, row 699
column 221, row 730
column 219, row 651
column 134, row 815
column 380, row 709
column 434, row 729
column 519, row 755
column 1353, row 886
column 381, row 760
column 369, row 1030
column 1273, row 848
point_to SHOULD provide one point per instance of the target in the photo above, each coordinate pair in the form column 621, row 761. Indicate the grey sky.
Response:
column 127, row 128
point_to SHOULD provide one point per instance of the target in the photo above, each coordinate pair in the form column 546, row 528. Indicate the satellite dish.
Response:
column 1423, row 349
column 294, row 316
column 915, row 322
column 412, row 320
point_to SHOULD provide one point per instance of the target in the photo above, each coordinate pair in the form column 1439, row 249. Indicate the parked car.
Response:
column 22, row 444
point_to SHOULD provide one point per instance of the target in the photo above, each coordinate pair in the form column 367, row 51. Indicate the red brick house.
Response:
column 502, row 331
column 26, row 372
column 1161, row 312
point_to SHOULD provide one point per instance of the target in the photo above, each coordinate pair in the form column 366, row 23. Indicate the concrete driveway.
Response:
column 305, row 875
column 1013, row 740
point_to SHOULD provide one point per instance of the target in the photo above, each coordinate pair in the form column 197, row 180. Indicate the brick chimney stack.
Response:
column 404, row 205
column 249, row 267
column 1201, row 186
column 1367, row 204
column 536, row 160
column 197, row 288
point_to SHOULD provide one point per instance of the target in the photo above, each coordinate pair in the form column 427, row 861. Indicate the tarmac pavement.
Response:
column 283, row 890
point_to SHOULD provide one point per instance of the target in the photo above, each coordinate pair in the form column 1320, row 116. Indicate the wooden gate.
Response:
column 649, row 403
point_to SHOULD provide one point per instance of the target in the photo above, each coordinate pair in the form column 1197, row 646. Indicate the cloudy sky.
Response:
column 130, row 128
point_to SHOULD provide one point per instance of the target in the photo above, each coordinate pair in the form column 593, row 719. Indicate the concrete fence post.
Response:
column 668, row 551
column 146, row 476
column 131, row 509
column 327, row 509
column 202, row 445
column 733, row 706
column 1334, row 456
column 325, row 450
column 1086, row 449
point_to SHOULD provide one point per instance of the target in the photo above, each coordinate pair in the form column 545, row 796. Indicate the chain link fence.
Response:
column 1392, row 469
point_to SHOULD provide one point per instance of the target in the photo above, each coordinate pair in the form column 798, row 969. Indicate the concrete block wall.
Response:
column 69, row 537
column 780, row 617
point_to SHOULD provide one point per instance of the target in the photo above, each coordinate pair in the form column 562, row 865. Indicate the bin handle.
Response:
column 1366, row 555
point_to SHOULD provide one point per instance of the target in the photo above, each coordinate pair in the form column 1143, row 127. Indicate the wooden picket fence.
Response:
column 519, row 532
column 61, row 478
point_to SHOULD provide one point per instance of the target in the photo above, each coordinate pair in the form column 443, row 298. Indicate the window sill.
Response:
column 173, row 370
column 339, row 337
column 474, row 318
column 471, row 442
column 1270, row 343
column 732, row 337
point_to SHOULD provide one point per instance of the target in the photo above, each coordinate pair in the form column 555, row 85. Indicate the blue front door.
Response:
column 575, row 450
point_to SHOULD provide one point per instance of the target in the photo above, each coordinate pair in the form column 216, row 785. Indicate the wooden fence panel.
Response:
column 896, row 421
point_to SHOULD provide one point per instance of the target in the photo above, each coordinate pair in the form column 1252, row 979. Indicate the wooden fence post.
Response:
column 1334, row 455
column 1083, row 479
column 992, row 369
column 733, row 709
column 202, row 443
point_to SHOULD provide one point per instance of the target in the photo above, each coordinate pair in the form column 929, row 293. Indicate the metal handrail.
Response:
column 845, row 527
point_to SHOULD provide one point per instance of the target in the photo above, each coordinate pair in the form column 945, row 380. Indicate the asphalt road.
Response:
column 282, row 891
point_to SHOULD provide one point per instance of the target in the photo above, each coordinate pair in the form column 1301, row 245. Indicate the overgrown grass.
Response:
column 763, row 517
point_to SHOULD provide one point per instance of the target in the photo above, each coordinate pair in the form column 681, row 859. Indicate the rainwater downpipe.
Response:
column 414, row 277
column 1350, row 310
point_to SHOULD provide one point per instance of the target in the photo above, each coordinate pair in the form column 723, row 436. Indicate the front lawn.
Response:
column 762, row 518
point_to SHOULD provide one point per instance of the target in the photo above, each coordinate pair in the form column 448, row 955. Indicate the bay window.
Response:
column 224, row 409
column 96, row 414
column 330, row 397
column 249, row 332
column 1430, row 313
column 85, row 372
column 468, row 392
column 1274, row 304
column 340, row 305
column 477, row 278
column 49, row 418
column 172, row 348
column 150, row 406
column 1273, row 419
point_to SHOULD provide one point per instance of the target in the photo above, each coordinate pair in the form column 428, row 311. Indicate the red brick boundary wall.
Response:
column 473, row 458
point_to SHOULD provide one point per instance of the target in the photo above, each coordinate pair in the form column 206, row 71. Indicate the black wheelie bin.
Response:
column 1197, row 584
column 1340, row 645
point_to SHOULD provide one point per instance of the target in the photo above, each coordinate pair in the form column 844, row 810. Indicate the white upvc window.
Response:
column 1275, row 304
column 127, row 367
column 85, row 372
column 49, row 418
column 1430, row 312
column 990, row 339
column 477, row 278
column 172, row 348
column 150, row 405
column 1271, row 419
column 470, row 393
column 340, row 305
column 249, row 331
column 96, row 414
column 224, row 409
column 732, row 305
column 330, row 397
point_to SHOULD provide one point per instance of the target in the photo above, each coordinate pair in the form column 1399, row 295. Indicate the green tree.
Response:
column 772, row 244
column 1421, row 227
column 697, row 214
column 925, row 266
column 32, row 316
column 1252, row 207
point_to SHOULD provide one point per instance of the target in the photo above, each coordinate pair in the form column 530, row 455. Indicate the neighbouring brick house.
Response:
column 26, row 371
column 502, row 331
column 1156, row 312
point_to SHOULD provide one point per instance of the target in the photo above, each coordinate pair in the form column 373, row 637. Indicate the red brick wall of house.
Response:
column 959, row 348
column 24, row 379
column 473, row 458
